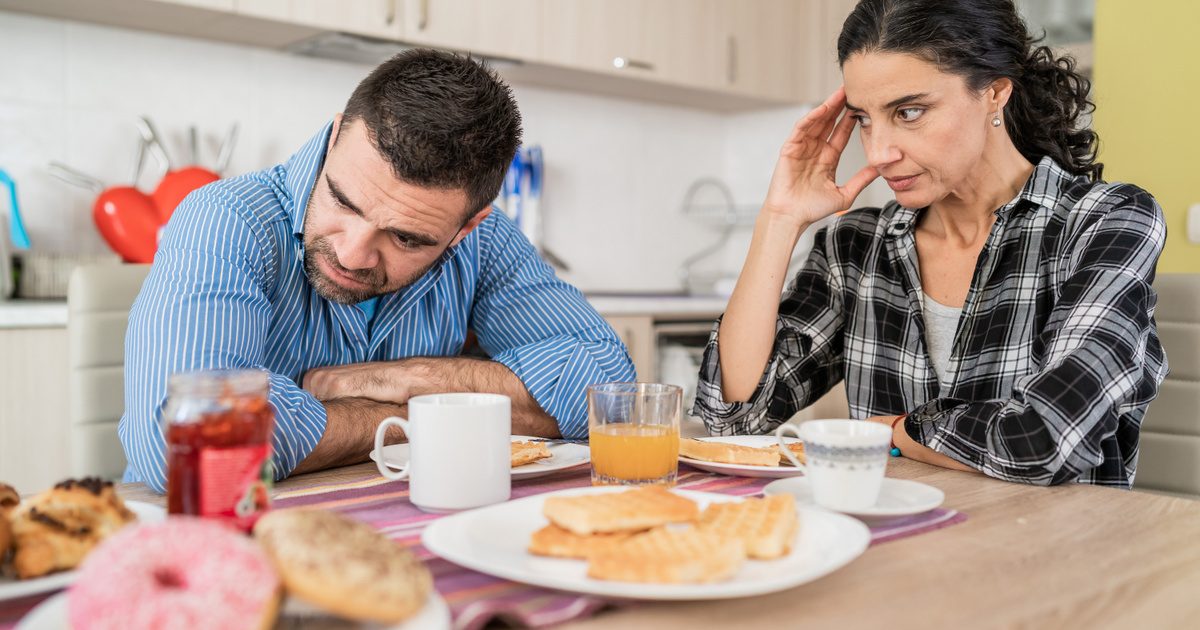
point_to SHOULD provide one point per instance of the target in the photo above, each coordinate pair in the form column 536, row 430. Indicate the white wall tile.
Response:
column 617, row 169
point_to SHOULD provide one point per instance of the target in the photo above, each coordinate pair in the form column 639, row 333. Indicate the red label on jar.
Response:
column 233, row 483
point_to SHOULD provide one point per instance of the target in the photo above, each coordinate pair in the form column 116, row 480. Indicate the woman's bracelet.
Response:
column 895, row 449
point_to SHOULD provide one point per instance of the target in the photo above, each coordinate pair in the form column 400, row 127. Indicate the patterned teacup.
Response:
column 846, row 460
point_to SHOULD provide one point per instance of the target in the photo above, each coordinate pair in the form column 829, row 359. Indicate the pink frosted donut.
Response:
column 182, row 573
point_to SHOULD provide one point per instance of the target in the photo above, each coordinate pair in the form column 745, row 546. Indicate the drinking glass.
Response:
column 633, row 429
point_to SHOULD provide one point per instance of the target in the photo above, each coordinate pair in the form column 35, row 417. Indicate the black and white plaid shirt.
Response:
column 1055, row 359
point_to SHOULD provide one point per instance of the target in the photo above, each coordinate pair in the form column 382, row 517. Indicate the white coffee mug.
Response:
column 846, row 460
column 458, row 451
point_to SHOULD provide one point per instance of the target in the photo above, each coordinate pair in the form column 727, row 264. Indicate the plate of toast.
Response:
column 742, row 455
column 44, row 537
column 531, row 456
column 650, row 543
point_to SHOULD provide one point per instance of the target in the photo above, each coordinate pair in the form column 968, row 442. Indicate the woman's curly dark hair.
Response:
column 982, row 41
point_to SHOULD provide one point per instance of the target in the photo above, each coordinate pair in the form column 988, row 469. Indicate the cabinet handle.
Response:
column 423, row 20
column 733, row 61
column 626, row 62
column 389, row 14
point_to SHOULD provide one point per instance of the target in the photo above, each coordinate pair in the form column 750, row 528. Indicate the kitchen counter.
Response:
column 658, row 305
column 33, row 314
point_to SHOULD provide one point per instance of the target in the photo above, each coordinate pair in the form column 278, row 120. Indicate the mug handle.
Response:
column 779, row 434
column 380, row 432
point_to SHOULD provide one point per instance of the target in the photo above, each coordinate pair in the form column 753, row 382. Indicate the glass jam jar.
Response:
column 218, row 427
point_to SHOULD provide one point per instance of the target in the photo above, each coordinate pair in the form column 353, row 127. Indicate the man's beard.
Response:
column 375, row 279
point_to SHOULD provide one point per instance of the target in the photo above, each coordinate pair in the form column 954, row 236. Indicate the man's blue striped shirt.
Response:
column 228, row 290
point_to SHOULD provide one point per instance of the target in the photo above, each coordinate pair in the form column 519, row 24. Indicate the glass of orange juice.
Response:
column 633, row 429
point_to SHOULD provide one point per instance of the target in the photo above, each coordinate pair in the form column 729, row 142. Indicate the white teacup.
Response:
column 846, row 460
column 458, row 451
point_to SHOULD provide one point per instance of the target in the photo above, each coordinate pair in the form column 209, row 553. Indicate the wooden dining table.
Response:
column 1073, row 555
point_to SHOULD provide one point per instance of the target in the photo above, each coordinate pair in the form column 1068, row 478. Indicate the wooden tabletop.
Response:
column 1067, row 556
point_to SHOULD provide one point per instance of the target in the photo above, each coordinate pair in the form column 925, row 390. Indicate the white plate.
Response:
column 562, row 457
column 897, row 497
column 493, row 540
column 742, row 470
column 53, row 614
column 11, row 588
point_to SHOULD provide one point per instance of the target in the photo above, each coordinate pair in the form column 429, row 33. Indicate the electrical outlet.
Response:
column 1193, row 223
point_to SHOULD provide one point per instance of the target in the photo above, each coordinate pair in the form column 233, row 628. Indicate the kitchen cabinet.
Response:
column 762, row 43
column 662, row 40
column 34, row 426
column 510, row 29
column 822, row 75
column 372, row 18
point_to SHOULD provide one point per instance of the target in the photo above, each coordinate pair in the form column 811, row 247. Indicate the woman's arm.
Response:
column 803, row 191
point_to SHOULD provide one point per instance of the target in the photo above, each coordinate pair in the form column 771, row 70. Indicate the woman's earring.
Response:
column 996, row 121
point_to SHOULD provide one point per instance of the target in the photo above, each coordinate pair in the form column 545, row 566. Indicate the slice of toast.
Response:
column 528, row 452
column 668, row 556
column 628, row 511
column 557, row 542
column 767, row 526
column 722, row 453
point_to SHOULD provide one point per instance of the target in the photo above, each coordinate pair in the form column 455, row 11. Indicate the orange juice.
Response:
column 634, row 454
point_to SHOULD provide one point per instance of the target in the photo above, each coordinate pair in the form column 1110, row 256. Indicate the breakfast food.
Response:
column 663, row 555
column 8, row 502
column 182, row 573
column 723, row 453
column 767, row 526
column 797, row 449
column 632, row 510
column 528, row 452
column 54, row 530
column 555, row 541
column 343, row 566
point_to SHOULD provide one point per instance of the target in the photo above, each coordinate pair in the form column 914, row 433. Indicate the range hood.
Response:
column 365, row 50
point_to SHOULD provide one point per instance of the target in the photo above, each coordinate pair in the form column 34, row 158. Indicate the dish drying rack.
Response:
column 726, row 217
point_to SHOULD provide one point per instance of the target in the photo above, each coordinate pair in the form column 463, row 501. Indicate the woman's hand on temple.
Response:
column 804, row 187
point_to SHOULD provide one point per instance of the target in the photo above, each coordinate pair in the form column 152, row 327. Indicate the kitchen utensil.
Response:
column 226, row 152
column 126, row 217
column 175, row 184
column 16, row 227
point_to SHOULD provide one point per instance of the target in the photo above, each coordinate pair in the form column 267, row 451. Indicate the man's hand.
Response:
column 381, row 381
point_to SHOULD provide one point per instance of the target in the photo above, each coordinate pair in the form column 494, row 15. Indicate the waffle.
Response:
column 666, row 556
column 767, row 527
column 555, row 541
column 797, row 449
column 628, row 511
column 722, row 453
column 528, row 452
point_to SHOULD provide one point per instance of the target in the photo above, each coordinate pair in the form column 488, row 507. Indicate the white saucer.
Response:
column 897, row 497
column 562, row 457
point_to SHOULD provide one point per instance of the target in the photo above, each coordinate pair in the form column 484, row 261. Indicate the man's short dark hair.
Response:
column 442, row 120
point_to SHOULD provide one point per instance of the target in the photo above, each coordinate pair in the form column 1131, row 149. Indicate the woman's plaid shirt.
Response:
column 1055, row 359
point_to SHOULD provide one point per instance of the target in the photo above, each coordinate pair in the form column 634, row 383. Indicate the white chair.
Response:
column 1169, row 459
column 98, row 301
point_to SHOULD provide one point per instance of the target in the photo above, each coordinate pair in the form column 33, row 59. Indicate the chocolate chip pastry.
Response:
column 54, row 530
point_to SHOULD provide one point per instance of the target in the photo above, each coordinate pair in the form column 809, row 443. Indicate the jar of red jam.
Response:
column 218, row 427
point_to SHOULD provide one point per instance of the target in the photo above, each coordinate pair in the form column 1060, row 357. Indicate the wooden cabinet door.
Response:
column 761, row 45
column 637, row 333
column 665, row 40
column 499, row 28
column 373, row 18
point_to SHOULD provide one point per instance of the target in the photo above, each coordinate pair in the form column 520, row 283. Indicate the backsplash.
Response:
column 616, row 169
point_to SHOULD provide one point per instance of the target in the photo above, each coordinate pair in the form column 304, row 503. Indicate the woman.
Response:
column 999, row 313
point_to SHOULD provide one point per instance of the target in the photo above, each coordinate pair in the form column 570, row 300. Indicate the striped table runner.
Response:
column 475, row 598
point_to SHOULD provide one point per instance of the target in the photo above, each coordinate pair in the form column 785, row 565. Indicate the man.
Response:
column 355, row 272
